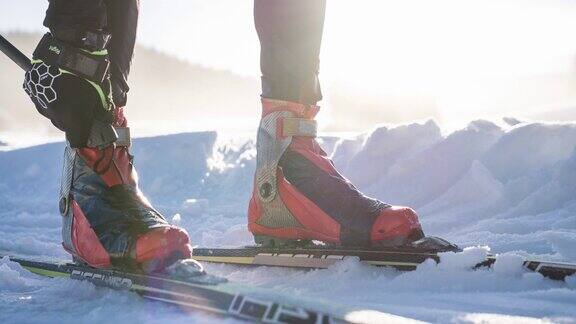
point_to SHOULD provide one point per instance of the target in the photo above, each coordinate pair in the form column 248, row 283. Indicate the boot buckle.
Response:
column 63, row 205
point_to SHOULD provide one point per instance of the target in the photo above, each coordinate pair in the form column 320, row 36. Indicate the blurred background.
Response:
column 383, row 61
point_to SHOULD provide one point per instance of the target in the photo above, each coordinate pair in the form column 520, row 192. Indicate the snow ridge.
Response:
column 511, row 187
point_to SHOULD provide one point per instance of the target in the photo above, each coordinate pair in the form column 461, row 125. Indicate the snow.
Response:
column 26, row 298
column 508, row 189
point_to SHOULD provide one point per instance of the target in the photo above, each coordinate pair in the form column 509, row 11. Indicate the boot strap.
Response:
column 275, row 134
column 93, row 67
column 103, row 135
column 123, row 136
column 292, row 126
column 87, row 39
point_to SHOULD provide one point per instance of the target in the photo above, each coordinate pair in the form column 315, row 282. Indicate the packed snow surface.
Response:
column 505, row 189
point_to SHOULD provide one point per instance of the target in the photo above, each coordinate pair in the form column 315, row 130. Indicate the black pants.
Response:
column 290, row 33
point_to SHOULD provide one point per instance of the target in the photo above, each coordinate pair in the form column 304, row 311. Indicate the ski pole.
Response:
column 14, row 54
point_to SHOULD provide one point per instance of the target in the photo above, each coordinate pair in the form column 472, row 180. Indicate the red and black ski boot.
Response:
column 107, row 222
column 299, row 196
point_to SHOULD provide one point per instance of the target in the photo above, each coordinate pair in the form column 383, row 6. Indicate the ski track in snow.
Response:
column 512, row 188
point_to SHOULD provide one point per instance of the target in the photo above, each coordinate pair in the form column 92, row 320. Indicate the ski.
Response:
column 203, row 293
column 401, row 258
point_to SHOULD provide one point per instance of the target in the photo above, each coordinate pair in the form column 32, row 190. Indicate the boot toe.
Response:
column 396, row 223
column 163, row 242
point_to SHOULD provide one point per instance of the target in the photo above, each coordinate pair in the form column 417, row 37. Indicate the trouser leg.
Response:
column 290, row 33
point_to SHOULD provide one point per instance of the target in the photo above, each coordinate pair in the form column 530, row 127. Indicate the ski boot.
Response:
column 107, row 222
column 299, row 196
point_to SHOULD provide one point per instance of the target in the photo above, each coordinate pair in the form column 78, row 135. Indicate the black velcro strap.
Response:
column 72, row 59
column 90, row 40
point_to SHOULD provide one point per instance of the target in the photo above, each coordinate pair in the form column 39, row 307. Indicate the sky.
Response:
column 393, row 60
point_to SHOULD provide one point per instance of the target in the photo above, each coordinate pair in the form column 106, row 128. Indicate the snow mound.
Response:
column 528, row 148
column 368, row 164
column 509, row 264
column 473, row 193
column 429, row 170
column 13, row 277
column 464, row 260
column 512, row 189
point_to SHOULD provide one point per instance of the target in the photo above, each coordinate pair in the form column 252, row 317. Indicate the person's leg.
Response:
column 107, row 221
column 290, row 33
column 298, row 194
